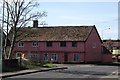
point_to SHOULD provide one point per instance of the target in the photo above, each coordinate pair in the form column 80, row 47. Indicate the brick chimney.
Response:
column 35, row 23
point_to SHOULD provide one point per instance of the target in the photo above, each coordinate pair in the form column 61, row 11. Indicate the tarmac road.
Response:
column 77, row 71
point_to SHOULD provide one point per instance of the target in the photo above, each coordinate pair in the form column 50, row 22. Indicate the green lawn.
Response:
column 49, row 65
column 31, row 66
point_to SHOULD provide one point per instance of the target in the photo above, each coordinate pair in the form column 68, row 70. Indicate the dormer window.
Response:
column 21, row 44
column 35, row 44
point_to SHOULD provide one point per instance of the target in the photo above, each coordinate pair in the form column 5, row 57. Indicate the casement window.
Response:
column 33, row 56
column 94, row 45
column 74, row 44
column 46, row 56
column 53, row 57
column 35, row 44
column 18, row 55
column 116, row 48
column 76, row 57
column 63, row 44
column 21, row 44
column 49, row 44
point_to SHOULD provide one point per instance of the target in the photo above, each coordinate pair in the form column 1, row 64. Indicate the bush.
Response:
column 11, row 69
column 10, row 63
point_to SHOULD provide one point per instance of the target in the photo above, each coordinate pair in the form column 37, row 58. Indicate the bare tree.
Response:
column 18, row 14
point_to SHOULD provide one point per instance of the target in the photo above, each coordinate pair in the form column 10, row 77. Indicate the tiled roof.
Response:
column 116, row 44
column 113, row 43
column 54, row 33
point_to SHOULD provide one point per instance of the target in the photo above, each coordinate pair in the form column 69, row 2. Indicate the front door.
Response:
column 65, row 57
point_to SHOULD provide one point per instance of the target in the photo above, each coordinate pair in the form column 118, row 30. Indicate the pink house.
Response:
column 59, row 44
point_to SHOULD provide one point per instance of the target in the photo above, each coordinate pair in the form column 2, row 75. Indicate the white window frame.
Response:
column 17, row 55
column 35, row 44
column 94, row 45
column 53, row 58
column 19, row 44
column 74, row 57
column 34, row 56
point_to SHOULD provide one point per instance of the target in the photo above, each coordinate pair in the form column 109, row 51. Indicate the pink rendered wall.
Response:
column 107, row 58
column 60, row 57
column 71, row 57
column 42, row 49
column 93, row 54
column 55, row 47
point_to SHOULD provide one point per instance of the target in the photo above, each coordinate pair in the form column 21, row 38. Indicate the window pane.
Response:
column 34, row 44
column 46, row 56
column 74, row 44
column 94, row 45
column 49, row 44
column 76, row 57
column 118, row 47
column 54, row 57
column 21, row 44
column 63, row 43
column 18, row 54
column 33, row 57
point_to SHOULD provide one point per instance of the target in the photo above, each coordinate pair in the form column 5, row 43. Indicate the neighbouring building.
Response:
column 60, row 44
column 114, row 47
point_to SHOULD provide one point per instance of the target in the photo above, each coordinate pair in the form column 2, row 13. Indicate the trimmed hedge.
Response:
column 10, row 63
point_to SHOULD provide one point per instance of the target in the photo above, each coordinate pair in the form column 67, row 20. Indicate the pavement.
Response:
column 28, row 71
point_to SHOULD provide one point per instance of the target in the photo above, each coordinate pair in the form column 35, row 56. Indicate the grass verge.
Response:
column 49, row 65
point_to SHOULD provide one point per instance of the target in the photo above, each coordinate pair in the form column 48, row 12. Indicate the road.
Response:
column 77, row 71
